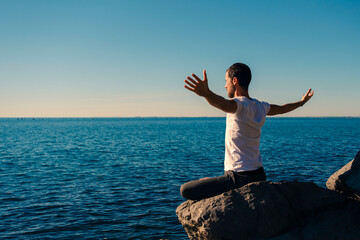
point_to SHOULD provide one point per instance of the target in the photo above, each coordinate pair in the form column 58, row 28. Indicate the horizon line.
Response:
column 186, row 117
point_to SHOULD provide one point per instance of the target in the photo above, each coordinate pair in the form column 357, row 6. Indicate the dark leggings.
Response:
column 209, row 187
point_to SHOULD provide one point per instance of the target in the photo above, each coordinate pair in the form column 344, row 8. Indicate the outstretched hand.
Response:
column 198, row 86
column 307, row 96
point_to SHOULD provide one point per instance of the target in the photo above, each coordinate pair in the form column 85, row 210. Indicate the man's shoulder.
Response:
column 249, row 100
column 260, row 101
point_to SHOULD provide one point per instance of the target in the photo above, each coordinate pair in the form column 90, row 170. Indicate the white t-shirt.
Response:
column 242, row 138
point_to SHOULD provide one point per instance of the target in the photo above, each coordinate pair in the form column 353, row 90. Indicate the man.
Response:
column 245, row 117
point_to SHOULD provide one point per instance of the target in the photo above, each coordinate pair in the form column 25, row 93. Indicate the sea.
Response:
column 119, row 178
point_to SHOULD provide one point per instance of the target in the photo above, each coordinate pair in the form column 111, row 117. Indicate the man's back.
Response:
column 242, row 138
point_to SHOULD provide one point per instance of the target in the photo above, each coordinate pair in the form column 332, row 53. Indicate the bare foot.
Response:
column 204, row 178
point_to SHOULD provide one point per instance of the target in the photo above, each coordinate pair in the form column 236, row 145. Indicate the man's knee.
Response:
column 185, row 191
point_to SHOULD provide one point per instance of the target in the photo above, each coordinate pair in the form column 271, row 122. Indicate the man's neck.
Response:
column 240, row 92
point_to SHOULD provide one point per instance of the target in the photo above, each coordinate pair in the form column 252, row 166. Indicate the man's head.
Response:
column 240, row 74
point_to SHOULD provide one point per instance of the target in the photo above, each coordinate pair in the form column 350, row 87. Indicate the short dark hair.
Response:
column 242, row 72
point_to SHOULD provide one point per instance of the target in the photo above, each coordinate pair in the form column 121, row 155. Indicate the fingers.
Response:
column 306, row 97
column 190, row 84
column 309, row 93
column 191, row 80
column 191, row 89
column 196, row 77
column 194, row 83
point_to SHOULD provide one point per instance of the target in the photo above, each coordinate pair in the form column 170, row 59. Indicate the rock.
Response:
column 266, row 210
column 347, row 179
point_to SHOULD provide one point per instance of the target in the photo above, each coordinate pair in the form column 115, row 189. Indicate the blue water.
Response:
column 120, row 178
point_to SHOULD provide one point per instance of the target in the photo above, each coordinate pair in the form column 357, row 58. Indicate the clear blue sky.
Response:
column 130, row 58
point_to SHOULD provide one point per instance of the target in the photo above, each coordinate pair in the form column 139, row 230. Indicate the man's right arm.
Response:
column 226, row 105
column 276, row 109
column 201, row 88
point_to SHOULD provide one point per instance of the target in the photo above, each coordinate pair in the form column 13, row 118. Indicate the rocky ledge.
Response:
column 277, row 211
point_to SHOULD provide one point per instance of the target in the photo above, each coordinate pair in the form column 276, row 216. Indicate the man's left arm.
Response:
column 276, row 109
